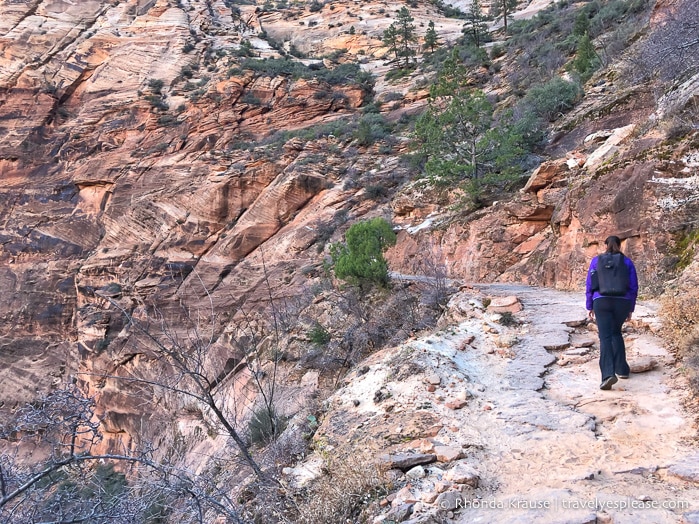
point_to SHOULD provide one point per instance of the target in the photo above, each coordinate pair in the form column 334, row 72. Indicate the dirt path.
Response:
column 561, row 450
column 519, row 408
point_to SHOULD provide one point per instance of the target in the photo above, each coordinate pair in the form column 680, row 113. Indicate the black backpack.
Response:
column 612, row 276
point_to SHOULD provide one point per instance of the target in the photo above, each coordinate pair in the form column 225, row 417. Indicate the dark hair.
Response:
column 613, row 244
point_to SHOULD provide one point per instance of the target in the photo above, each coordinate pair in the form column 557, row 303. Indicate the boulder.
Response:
column 509, row 304
column 544, row 175
column 642, row 364
column 448, row 453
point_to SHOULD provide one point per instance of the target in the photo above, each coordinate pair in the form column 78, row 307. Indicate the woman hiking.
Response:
column 611, row 291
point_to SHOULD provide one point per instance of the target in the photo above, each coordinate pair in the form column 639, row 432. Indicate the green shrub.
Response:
column 348, row 73
column 250, row 99
column 554, row 98
column 266, row 425
column 507, row 319
column 156, row 86
column 360, row 260
column 375, row 192
column 167, row 120
column 157, row 103
column 319, row 335
column 497, row 51
column 398, row 73
column 372, row 127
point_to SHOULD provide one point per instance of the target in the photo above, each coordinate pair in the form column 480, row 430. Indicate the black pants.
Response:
column 610, row 314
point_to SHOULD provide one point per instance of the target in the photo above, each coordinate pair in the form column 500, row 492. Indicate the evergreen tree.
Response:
column 431, row 37
column 586, row 58
column 460, row 138
column 407, row 36
column 451, row 79
column 503, row 8
column 360, row 259
column 475, row 30
column 582, row 24
column 390, row 39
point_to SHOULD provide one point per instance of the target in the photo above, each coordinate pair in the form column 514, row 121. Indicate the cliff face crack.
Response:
column 33, row 6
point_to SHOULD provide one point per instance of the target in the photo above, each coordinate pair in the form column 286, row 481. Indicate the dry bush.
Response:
column 670, row 50
column 680, row 316
column 343, row 492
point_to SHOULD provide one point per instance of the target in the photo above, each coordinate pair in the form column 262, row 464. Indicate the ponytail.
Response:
column 613, row 244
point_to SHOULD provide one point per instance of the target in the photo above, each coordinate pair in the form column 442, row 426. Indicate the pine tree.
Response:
column 475, row 28
column 462, row 141
column 406, row 35
column 360, row 259
column 504, row 8
column 431, row 37
column 586, row 58
column 400, row 37
column 390, row 39
column 582, row 24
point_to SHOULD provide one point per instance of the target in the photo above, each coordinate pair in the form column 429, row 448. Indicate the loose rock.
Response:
column 456, row 404
column 400, row 513
column 405, row 461
column 448, row 453
column 417, row 472
column 433, row 378
column 462, row 473
column 449, row 500
column 642, row 364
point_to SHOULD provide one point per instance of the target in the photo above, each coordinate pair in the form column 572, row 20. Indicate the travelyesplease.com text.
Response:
column 596, row 504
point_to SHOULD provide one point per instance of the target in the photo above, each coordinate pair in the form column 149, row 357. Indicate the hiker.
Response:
column 611, row 291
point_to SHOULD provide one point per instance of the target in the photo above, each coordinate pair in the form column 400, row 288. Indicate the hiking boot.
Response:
column 608, row 382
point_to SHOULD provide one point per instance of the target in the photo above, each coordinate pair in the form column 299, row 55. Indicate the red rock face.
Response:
column 548, row 235
column 123, row 169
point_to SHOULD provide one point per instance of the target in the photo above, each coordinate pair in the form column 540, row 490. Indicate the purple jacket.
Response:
column 631, row 294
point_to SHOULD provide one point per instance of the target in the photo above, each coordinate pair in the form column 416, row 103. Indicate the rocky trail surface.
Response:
column 486, row 422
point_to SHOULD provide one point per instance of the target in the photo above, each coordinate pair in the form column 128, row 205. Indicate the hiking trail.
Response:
column 519, row 410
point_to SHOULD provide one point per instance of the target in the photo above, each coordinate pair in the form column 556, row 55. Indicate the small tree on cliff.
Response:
column 475, row 30
column 360, row 259
column 400, row 37
column 586, row 59
column 431, row 37
column 460, row 138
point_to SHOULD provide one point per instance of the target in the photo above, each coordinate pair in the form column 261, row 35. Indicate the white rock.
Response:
column 415, row 473
column 463, row 473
